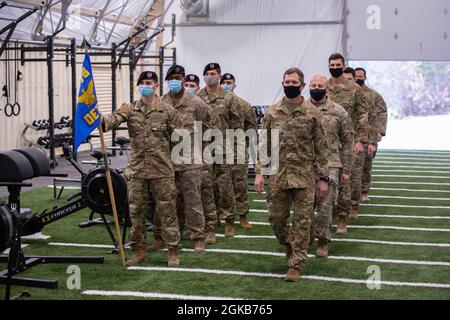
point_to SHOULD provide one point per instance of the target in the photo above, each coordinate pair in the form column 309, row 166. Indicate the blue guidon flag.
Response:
column 87, row 116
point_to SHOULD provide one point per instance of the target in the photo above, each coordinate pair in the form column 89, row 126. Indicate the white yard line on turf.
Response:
column 385, row 205
column 394, row 243
column 408, row 151
column 410, row 163
column 408, row 198
column 154, row 295
column 411, row 171
column 399, row 216
column 410, row 190
column 65, row 188
column 411, row 167
column 418, row 155
column 414, row 157
column 305, row 277
column 257, row 223
column 279, row 254
column 407, row 176
column 412, row 183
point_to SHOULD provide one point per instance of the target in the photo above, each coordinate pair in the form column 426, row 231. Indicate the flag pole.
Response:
column 111, row 195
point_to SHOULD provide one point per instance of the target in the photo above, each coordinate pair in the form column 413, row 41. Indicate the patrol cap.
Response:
column 147, row 75
column 192, row 78
column 212, row 66
column 175, row 69
column 227, row 76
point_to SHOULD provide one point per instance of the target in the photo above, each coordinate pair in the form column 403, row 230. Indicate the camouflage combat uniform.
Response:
column 226, row 108
column 150, row 167
column 379, row 126
column 303, row 151
column 239, row 170
column 188, row 177
column 349, row 95
column 339, row 129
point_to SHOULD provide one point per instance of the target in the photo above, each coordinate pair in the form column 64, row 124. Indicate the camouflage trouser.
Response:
column 279, row 203
column 223, row 191
column 367, row 174
column 164, row 193
column 344, row 202
column 239, row 175
column 209, row 204
column 322, row 221
column 189, row 205
column 356, row 178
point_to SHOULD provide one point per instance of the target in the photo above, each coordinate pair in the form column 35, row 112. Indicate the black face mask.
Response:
column 317, row 94
column 360, row 82
column 292, row 92
column 336, row 73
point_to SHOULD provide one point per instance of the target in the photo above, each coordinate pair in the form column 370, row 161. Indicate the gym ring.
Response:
column 19, row 109
column 10, row 106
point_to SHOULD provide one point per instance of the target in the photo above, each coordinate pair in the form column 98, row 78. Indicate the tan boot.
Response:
column 136, row 258
column 199, row 247
column 322, row 249
column 353, row 214
column 173, row 259
column 244, row 223
column 158, row 245
column 292, row 275
column 210, row 237
column 342, row 226
column 364, row 198
column 229, row 229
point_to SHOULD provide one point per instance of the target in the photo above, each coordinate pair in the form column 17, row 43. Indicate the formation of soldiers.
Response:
column 325, row 149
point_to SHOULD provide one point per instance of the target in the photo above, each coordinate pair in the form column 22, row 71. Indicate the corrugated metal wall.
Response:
column 33, row 95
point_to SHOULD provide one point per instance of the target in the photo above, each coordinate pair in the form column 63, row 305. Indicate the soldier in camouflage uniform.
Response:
column 150, row 126
column 378, row 124
column 225, row 107
column 302, row 171
column 239, row 170
column 188, row 172
column 192, row 85
column 339, row 129
column 349, row 95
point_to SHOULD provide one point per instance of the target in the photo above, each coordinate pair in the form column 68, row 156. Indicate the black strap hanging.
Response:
column 16, row 108
column 8, row 106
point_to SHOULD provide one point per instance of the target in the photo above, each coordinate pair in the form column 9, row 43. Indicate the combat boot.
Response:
column 364, row 197
column 342, row 226
column 136, row 258
column 322, row 249
column 173, row 259
column 158, row 245
column 210, row 237
column 229, row 228
column 353, row 214
column 292, row 275
column 245, row 225
column 199, row 246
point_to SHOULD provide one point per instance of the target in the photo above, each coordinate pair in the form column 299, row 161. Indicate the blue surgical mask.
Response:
column 191, row 90
column 227, row 87
column 145, row 90
column 175, row 86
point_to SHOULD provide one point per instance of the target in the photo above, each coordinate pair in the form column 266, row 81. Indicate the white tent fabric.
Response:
column 258, row 55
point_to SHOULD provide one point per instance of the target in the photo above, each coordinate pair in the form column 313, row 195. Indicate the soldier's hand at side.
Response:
column 259, row 183
column 344, row 179
column 371, row 150
column 380, row 137
column 322, row 189
column 359, row 148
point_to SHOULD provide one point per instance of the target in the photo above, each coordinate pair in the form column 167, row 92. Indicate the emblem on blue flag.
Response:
column 87, row 116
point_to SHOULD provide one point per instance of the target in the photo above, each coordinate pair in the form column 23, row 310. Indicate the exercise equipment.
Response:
column 17, row 166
